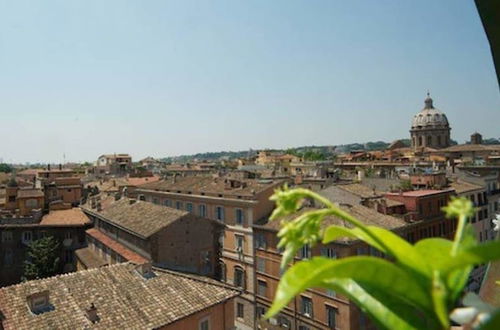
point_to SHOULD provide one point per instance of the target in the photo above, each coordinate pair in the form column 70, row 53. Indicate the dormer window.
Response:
column 39, row 303
column 145, row 270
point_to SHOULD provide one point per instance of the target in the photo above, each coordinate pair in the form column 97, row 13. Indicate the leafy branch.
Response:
column 419, row 288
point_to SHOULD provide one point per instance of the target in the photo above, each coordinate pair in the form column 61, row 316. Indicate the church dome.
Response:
column 429, row 117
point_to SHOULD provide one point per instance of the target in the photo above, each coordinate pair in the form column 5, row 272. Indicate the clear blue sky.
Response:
column 177, row 77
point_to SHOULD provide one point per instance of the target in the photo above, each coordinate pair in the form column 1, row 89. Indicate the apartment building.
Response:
column 137, row 231
column 319, row 308
column 120, row 296
column 238, row 203
column 114, row 164
column 18, row 232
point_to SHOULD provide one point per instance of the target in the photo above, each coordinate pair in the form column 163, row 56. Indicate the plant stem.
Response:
column 462, row 220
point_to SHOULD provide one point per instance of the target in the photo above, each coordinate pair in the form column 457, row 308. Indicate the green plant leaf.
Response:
column 370, row 272
column 391, row 314
column 396, row 247
column 476, row 255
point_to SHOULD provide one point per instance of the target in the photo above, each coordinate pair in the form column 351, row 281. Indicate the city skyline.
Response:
column 157, row 79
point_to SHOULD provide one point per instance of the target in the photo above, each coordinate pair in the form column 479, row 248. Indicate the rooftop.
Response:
column 140, row 217
column 463, row 187
column 71, row 217
column 117, row 247
column 210, row 185
column 122, row 297
column 29, row 193
column 471, row 147
column 419, row 193
column 366, row 215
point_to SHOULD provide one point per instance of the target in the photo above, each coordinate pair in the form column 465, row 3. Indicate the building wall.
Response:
column 267, row 270
column 220, row 316
column 13, row 251
column 186, row 244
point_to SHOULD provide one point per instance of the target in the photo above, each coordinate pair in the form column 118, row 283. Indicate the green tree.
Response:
column 405, row 185
column 42, row 258
column 416, row 287
column 5, row 168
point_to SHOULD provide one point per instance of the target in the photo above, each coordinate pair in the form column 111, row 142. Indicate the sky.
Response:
column 161, row 78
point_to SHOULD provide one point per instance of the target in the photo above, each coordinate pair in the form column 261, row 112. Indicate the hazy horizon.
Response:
column 86, row 78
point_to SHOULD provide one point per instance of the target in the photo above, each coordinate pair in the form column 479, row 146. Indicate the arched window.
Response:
column 239, row 277
column 414, row 141
column 419, row 141
column 429, row 140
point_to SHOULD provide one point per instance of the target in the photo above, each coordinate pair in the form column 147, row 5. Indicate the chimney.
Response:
column 131, row 201
column 91, row 313
column 99, row 206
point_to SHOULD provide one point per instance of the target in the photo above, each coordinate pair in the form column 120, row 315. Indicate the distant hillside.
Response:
column 308, row 152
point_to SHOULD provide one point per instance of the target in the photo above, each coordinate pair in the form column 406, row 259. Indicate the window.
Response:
column 239, row 277
column 155, row 200
column 261, row 264
column 189, row 207
column 68, row 256
column 260, row 241
column 240, row 310
column 260, row 311
column 202, row 210
column 6, row 236
column 142, row 198
column 284, row 322
column 178, row 205
column 331, row 314
column 239, row 217
column 305, row 252
column 223, row 270
column 329, row 253
column 205, row 324
column 68, row 235
column 27, row 236
column 261, row 288
column 306, row 306
column 239, row 243
column 167, row 202
column 7, row 257
column 219, row 213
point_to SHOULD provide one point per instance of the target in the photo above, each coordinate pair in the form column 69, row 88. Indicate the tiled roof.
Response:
column 117, row 247
column 360, row 190
column 123, row 299
column 364, row 214
column 203, row 184
column 140, row 217
column 470, row 147
column 74, row 216
column 463, row 187
column 29, row 193
column 89, row 258
column 418, row 193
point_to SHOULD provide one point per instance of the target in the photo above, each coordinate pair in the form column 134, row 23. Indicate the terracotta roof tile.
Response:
column 140, row 217
column 74, row 216
column 117, row 247
column 123, row 298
